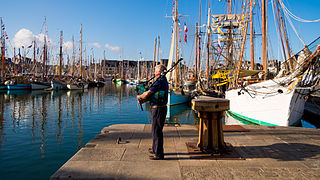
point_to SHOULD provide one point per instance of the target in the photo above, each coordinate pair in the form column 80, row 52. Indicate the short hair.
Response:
column 161, row 68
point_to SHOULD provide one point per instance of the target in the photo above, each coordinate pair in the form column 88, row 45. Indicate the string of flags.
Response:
column 185, row 32
column 5, row 35
column 219, row 43
column 179, row 23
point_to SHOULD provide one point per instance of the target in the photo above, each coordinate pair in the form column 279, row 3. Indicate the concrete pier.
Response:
column 258, row 152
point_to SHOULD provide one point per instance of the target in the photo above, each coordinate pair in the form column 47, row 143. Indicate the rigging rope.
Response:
column 287, row 11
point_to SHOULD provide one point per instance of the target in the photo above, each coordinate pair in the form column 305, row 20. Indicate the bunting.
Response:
column 5, row 35
column 219, row 43
column 185, row 32
column 219, row 31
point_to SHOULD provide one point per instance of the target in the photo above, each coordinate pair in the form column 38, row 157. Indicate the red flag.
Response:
column 185, row 32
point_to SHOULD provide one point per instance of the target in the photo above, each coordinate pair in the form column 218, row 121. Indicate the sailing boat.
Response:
column 279, row 101
column 121, row 80
column 2, row 84
column 175, row 96
column 76, row 84
column 55, row 84
column 276, row 102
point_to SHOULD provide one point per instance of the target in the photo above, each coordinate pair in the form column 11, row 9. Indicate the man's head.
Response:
column 159, row 69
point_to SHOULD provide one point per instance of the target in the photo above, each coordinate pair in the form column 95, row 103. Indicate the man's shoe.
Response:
column 150, row 151
column 156, row 157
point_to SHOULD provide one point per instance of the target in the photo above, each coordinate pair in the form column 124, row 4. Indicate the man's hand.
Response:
column 143, row 97
column 139, row 99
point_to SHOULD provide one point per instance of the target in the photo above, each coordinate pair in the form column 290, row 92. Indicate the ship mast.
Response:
column 158, row 49
column 3, row 51
column 44, row 57
column 196, row 54
column 154, row 53
column 44, row 69
column 264, row 36
column 34, row 57
column 229, row 64
column 60, row 56
column 208, row 43
column 81, row 51
column 176, row 42
column 199, row 41
column 73, row 56
column 251, row 36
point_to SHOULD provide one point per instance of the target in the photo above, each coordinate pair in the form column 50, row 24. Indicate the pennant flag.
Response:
column 219, row 31
column 185, row 32
column 219, row 43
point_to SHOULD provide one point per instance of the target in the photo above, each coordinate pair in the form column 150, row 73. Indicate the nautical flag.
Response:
column 219, row 44
column 185, row 28
column 185, row 32
column 219, row 31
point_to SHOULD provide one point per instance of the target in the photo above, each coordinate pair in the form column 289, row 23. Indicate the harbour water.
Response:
column 41, row 130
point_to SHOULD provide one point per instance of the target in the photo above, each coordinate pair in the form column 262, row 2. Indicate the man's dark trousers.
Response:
column 158, row 117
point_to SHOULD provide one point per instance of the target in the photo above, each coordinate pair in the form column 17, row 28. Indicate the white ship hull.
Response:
column 267, row 103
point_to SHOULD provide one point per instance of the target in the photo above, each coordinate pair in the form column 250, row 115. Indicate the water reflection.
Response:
column 43, row 129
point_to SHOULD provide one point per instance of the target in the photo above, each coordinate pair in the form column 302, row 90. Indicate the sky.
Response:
column 127, row 29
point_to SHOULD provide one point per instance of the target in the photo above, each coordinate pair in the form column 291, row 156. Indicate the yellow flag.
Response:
column 219, row 31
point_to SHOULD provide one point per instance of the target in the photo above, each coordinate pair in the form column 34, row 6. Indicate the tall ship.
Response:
column 270, row 93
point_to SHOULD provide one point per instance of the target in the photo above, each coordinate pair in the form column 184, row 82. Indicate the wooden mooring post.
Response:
column 210, row 111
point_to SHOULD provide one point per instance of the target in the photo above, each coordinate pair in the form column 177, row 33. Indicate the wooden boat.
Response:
column 19, row 86
column 189, row 86
column 108, row 78
column 175, row 96
column 58, row 85
column 40, row 85
column 275, row 102
column 77, row 86
column 120, row 81
column 99, row 84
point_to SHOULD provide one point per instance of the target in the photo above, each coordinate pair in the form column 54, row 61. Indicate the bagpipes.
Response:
column 144, row 86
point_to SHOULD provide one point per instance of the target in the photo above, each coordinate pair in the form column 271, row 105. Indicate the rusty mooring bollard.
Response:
column 210, row 111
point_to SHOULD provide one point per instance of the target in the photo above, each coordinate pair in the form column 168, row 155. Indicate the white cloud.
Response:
column 96, row 44
column 112, row 48
column 25, row 37
column 67, row 45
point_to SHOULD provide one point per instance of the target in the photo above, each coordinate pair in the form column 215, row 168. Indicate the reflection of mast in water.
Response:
column 14, row 115
column 43, row 124
column 1, row 120
column 72, row 112
column 59, row 120
column 80, row 123
column 33, row 118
